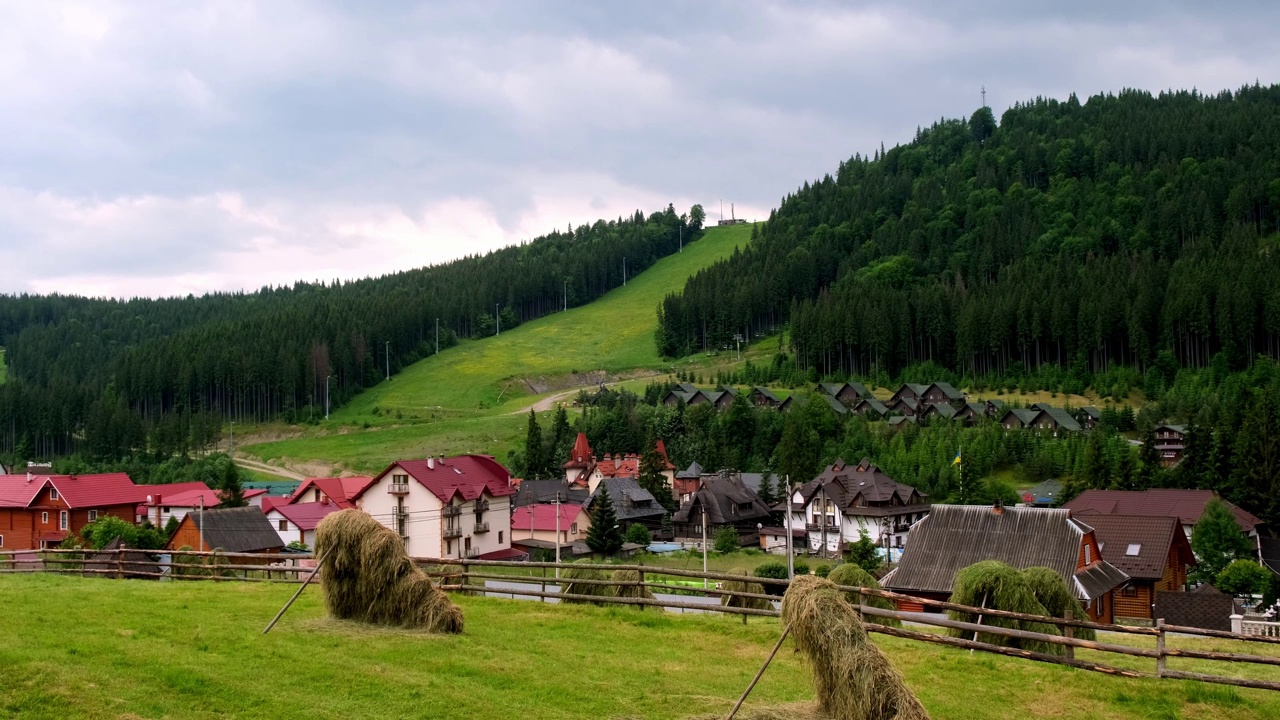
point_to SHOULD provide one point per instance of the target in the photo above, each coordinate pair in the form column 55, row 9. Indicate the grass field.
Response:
column 462, row 399
column 134, row 649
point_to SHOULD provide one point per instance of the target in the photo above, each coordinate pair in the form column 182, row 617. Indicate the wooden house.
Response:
column 1018, row 418
column 909, row 391
column 907, row 407
column 1088, row 417
column 953, row 537
column 296, row 522
column 941, row 393
column 726, row 501
column 844, row 501
column 761, row 396
column 722, row 398
column 836, row 406
column 539, row 522
column 40, row 511
column 941, row 411
column 870, row 408
column 232, row 530
column 1186, row 505
column 847, row 393
column 631, row 503
column 995, row 407
column 1152, row 550
column 970, row 413
column 1171, row 442
column 687, row 394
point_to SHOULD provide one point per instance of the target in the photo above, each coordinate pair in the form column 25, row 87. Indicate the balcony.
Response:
column 452, row 531
column 831, row 526
column 482, row 505
column 396, row 488
column 481, row 527
column 471, row 553
column 451, row 511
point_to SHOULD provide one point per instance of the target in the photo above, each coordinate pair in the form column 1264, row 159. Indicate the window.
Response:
column 1088, row 555
column 53, row 493
column 62, row 520
column 499, row 537
column 284, row 525
column 467, row 544
column 573, row 528
column 1133, row 550
column 1129, row 591
column 1, row 541
column 44, row 518
column 93, row 515
column 448, row 547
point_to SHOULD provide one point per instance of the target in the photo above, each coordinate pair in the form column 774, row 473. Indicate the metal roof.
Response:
column 724, row 498
column 1186, row 505
column 1153, row 535
column 240, row 529
column 629, row 500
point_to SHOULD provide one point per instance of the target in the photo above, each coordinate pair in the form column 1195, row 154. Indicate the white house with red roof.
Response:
column 585, row 470
column 298, row 521
column 339, row 491
column 457, row 507
column 39, row 511
column 538, row 522
column 175, row 500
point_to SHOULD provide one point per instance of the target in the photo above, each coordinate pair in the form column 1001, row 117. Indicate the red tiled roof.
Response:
column 19, row 490
column 503, row 554
column 190, row 499
column 77, row 491
column 55, row 536
column 1186, row 505
column 274, row 501
column 467, row 476
column 581, row 455
column 306, row 515
column 342, row 491
column 254, row 492
column 543, row 517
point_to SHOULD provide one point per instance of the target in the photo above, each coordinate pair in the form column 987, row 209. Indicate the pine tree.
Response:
column 559, row 441
column 1257, row 452
column 535, row 465
column 232, row 494
column 1216, row 540
column 604, row 536
column 766, row 494
column 1148, row 462
column 652, row 479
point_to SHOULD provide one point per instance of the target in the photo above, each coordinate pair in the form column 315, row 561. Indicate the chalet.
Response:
column 174, row 500
column 232, row 530
column 870, row 408
column 1186, row 505
column 1054, row 420
column 761, row 396
column 342, row 492
column 953, row 537
column 836, row 406
column 970, row 413
column 941, row 393
column 687, row 394
column 1171, row 442
column 786, row 405
column 584, row 470
column 845, row 501
column 907, row 407
column 539, row 522
column 1018, row 418
column 631, row 503
column 994, row 407
column 722, row 397
column 941, row 411
column 686, row 482
column 40, row 511
column 909, row 391
column 1045, row 494
column 296, row 522
column 540, row 492
column 457, row 507
column 847, row 393
column 898, row 421
column 1088, row 417
column 725, row 501
column 1151, row 549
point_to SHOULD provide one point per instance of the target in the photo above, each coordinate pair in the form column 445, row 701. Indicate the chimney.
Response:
column 998, row 508
column 324, row 500
column 157, row 499
column 431, row 463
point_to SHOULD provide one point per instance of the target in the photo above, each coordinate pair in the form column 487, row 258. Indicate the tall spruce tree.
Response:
column 604, row 536
column 1148, row 462
column 652, row 479
column 535, row 465
column 1216, row 540
column 232, row 494
column 559, row 440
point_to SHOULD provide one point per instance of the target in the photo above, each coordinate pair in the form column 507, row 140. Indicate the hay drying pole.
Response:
column 760, row 674
column 305, row 583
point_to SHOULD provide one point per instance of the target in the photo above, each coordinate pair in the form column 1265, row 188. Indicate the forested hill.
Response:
column 1126, row 230
column 102, row 375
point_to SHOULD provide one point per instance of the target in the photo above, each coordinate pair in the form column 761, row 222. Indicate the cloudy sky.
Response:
column 167, row 148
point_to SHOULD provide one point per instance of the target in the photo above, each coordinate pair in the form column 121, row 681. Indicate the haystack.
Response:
column 992, row 584
column 1051, row 591
column 851, row 575
column 624, row 590
column 367, row 576
column 584, row 588
column 736, row 601
column 853, row 679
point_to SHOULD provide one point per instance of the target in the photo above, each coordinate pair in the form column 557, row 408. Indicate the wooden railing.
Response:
column 470, row 576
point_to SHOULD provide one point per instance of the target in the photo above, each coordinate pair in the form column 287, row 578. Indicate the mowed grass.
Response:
column 136, row 649
column 455, row 401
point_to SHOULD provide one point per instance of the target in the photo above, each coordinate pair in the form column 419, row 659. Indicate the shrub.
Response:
column 738, row 601
column 638, row 534
column 851, row 575
column 772, row 570
column 822, row 570
column 800, row 567
column 1242, row 578
column 726, row 540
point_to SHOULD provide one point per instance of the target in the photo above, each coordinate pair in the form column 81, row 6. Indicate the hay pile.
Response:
column 992, row 584
column 629, row 591
column 569, row 587
column 1052, row 592
column 851, row 575
column 736, row 601
column 853, row 679
column 367, row 576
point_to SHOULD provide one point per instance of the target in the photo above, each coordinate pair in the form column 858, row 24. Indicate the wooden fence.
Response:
column 471, row 576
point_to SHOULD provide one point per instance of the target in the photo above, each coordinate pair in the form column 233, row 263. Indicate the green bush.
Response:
column 822, row 570
column 800, row 567
column 773, row 570
column 638, row 534
column 726, row 540
column 1242, row 578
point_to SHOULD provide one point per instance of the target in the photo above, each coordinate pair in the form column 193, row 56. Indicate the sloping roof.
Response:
column 306, row 515
column 911, row 403
column 130, row 563
column 534, row 492
column 1061, row 417
column 902, row 420
column 1186, row 505
column 1023, row 416
column 77, row 491
column 543, row 517
column 1180, row 429
column 342, row 491
column 1139, row 544
column 726, row 499
column 581, row 455
column 465, row 476
column 860, row 389
column 835, row 404
column 871, row 404
column 844, row 483
column 946, row 411
column 766, row 393
column 629, row 500
column 752, row 481
column 953, row 537
column 19, row 490
column 996, row 403
column 830, row 388
column 949, row 391
column 1092, row 412
column 693, row 472
column 240, row 529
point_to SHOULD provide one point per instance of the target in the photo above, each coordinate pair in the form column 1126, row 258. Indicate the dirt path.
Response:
column 547, row 403
column 268, row 469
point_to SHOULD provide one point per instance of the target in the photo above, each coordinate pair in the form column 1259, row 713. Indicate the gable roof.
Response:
column 534, row 492
column 1022, row 416
column 1150, row 537
column 629, row 500
column 693, row 472
column 996, row 403
column 1060, row 417
column 240, row 529
column 77, row 491
column 837, row 406
column 872, row 404
column 1186, row 505
column 844, row 484
column 464, row 476
column 342, row 491
column 543, row 517
column 1091, row 412
column 953, row 537
column 726, row 499
column 305, row 515
column 765, row 393
column 950, row 392
column 946, row 411
column 907, row 402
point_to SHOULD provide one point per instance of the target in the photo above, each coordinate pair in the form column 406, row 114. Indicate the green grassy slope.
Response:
column 462, row 399
column 197, row 652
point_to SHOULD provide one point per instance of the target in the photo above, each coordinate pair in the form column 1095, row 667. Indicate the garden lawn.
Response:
column 96, row 648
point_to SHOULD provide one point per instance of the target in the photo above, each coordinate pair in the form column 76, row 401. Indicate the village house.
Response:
column 547, row 492
column 342, row 492
column 844, row 501
column 994, row 407
column 583, row 469
column 40, row 511
column 687, row 394
column 1088, row 417
column 1186, row 505
column 631, row 503
column 941, row 393
column 909, row 391
column 905, row 406
column 1042, row 417
column 721, row 500
column 953, row 537
column 1151, row 549
column 175, row 500
column 231, row 530
column 686, row 482
column 870, row 408
column 836, row 406
column 1171, row 442
column 941, row 411
column 457, row 507
column 761, row 396
column 773, row 540
column 848, row 393
column 539, row 522
column 971, row 412
column 1018, row 418
column 296, row 522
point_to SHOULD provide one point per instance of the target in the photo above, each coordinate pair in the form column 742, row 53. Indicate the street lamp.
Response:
column 233, row 439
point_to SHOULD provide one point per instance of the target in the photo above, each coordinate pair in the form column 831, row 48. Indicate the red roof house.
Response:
column 42, row 510
column 1186, row 505
column 585, row 470
column 340, row 491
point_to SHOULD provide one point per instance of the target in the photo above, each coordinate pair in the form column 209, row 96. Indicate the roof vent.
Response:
column 998, row 508
column 431, row 463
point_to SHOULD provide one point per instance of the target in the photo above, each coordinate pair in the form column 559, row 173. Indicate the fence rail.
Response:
column 471, row 576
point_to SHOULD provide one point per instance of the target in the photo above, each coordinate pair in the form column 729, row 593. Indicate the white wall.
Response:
column 425, row 523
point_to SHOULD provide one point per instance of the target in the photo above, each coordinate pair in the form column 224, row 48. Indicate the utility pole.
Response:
column 984, row 96
column 791, row 554
column 557, row 534
column 566, row 295
column 681, row 238
column 437, row 336
column 705, row 582
column 624, row 271
column 497, row 318
column 201, row 528
column 388, row 354
column 326, row 396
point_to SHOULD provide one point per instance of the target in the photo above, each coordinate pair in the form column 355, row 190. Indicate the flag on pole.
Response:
column 956, row 461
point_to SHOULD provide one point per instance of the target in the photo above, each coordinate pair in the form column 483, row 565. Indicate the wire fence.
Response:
column 470, row 576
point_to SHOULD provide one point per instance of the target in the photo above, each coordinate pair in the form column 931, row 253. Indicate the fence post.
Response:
column 120, row 562
column 216, row 577
column 1160, row 648
column 1237, row 624
column 544, row 586
column 1069, row 631
column 466, row 575
column 640, row 587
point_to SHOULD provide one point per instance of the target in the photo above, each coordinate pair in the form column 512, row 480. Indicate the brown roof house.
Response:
column 1186, row 505
column 953, row 537
column 1151, row 549
column 726, row 501
column 232, row 530
column 844, row 501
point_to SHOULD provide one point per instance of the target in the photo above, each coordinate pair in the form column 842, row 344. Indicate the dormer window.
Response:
column 1133, row 550
column 53, row 493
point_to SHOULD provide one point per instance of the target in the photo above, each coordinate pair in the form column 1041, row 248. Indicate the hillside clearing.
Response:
column 196, row 652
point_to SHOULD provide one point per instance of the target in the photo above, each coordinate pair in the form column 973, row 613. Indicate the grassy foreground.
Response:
column 134, row 649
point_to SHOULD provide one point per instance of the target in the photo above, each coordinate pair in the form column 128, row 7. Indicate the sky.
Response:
column 158, row 149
